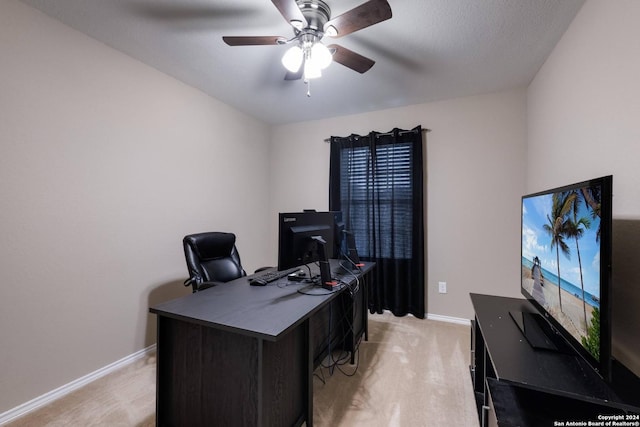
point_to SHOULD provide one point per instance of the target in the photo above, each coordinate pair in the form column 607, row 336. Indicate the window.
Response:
column 376, row 181
column 390, row 184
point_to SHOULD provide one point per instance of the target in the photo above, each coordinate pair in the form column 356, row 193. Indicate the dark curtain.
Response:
column 376, row 180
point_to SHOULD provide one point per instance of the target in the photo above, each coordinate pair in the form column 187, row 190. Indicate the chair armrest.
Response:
column 207, row 285
column 197, row 284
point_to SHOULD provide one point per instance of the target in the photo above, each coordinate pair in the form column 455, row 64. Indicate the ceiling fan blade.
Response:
column 291, row 12
column 350, row 59
column 360, row 17
column 252, row 40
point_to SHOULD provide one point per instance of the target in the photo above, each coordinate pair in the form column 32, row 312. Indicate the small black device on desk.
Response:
column 297, row 276
column 261, row 279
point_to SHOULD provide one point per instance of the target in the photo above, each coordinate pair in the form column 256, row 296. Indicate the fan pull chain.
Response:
column 308, row 82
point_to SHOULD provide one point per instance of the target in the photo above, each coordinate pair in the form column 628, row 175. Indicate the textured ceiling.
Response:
column 429, row 50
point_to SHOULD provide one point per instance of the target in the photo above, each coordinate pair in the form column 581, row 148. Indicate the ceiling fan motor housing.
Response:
column 316, row 12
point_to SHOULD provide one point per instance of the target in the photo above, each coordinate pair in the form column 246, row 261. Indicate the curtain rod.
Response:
column 402, row 132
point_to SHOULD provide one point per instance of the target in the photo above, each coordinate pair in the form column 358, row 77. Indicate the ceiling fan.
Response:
column 311, row 21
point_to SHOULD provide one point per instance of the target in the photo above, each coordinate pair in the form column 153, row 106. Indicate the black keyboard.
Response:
column 268, row 276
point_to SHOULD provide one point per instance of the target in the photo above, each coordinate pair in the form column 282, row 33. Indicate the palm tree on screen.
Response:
column 558, row 228
column 576, row 228
column 593, row 198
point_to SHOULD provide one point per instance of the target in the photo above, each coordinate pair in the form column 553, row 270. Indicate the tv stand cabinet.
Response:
column 517, row 385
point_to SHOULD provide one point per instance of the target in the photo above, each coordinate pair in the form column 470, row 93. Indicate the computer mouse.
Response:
column 257, row 282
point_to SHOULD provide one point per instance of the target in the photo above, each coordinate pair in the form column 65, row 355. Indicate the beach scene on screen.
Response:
column 561, row 259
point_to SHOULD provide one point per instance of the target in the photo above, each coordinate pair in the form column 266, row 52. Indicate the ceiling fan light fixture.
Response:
column 292, row 59
column 312, row 69
column 321, row 55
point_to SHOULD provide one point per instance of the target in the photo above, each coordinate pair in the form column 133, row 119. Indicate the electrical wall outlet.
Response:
column 442, row 287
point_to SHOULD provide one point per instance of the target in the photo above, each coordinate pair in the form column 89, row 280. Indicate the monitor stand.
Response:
column 349, row 266
column 535, row 329
column 352, row 260
column 326, row 281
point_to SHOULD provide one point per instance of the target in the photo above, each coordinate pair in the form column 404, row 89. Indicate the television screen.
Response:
column 566, row 263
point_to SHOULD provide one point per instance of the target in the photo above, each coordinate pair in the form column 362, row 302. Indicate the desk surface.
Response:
column 266, row 312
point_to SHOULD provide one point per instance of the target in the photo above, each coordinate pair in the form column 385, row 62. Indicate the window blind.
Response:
column 379, row 182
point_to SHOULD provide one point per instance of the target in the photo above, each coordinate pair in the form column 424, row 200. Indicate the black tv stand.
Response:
column 517, row 384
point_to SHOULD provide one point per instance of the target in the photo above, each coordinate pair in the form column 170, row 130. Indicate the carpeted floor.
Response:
column 411, row 372
column 125, row 398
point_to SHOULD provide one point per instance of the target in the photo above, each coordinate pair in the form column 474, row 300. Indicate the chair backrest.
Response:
column 212, row 257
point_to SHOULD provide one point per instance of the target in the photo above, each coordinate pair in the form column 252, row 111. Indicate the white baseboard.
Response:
column 441, row 318
column 49, row 397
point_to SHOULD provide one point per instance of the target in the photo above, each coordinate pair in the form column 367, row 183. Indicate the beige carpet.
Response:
column 124, row 398
column 411, row 373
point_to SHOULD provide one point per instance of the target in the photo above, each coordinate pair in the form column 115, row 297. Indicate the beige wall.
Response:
column 475, row 177
column 583, row 116
column 105, row 164
column 584, row 105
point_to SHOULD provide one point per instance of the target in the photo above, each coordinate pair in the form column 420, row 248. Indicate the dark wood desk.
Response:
column 237, row 354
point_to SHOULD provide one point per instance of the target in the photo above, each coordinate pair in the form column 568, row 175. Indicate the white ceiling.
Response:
column 429, row 50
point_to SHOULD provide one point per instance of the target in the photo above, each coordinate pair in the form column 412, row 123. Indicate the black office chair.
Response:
column 211, row 257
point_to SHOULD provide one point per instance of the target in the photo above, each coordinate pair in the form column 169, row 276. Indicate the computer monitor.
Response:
column 296, row 245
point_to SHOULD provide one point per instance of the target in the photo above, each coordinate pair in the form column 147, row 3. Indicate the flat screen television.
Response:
column 566, row 267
